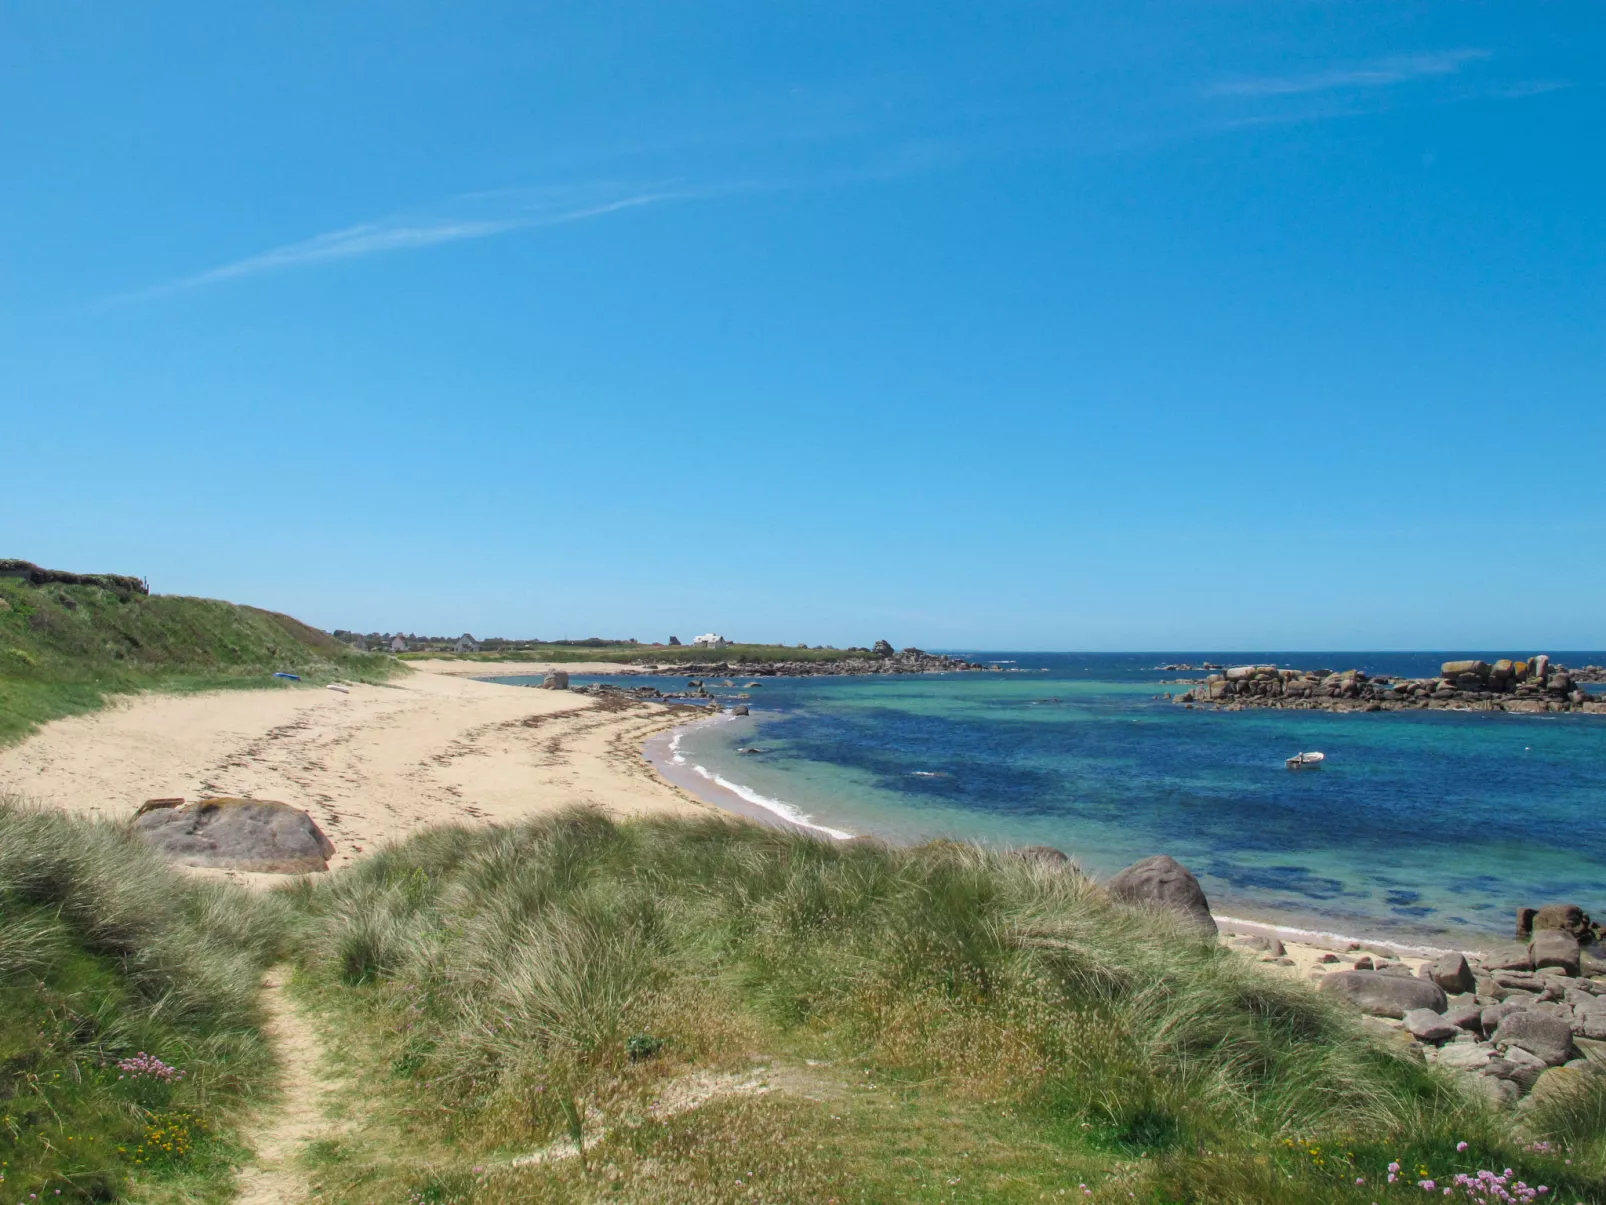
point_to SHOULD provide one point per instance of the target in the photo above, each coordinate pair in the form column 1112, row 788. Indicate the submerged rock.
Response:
column 259, row 835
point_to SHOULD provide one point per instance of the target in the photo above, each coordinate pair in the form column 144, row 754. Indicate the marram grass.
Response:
column 968, row 1013
column 577, row 1010
column 129, row 1035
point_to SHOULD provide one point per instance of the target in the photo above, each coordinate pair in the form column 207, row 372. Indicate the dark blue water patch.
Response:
column 1298, row 880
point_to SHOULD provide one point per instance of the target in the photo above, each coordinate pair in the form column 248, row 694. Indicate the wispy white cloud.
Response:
column 500, row 212
column 1379, row 73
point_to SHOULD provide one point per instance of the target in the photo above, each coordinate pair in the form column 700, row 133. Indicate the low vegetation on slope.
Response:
column 129, row 1035
column 64, row 647
column 671, row 1011
column 574, row 1010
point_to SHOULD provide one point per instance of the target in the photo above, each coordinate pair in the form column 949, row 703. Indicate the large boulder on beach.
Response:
column 556, row 680
column 238, row 834
column 1555, row 948
column 1508, row 956
column 1454, row 669
column 1452, row 973
column 1425, row 1025
column 1163, row 882
column 1385, row 995
column 1545, row 1037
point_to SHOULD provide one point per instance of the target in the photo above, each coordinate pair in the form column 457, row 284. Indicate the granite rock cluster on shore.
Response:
column 1513, row 1024
column 1517, row 1022
column 1534, row 685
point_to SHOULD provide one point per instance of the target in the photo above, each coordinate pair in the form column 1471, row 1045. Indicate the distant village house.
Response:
column 711, row 641
column 466, row 644
column 398, row 645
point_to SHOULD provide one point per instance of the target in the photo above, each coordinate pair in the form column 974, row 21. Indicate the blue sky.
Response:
column 1094, row 326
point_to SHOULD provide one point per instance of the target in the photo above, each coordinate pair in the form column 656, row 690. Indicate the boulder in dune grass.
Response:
column 1166, row 883
column 259, row 835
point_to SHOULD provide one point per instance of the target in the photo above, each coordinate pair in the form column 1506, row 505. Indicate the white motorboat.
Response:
column 1306, row 761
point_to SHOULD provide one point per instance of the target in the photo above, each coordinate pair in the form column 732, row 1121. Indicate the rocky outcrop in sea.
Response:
column 906, row 661
column 1534, row 685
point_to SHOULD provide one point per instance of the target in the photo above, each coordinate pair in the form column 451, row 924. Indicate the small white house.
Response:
column 711, row 641
column 398, row 645
column 466, row 644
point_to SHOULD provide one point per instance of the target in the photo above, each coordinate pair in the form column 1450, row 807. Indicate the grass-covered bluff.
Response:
column 66, row 646
column 709, row 1011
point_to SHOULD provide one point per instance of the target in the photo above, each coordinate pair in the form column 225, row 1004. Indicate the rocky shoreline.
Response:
column 1517, row 1021
column 1512, row 1023
column 882, row 660
column 1530, row 687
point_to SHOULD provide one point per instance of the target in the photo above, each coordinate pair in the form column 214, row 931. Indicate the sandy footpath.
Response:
column 370, row 766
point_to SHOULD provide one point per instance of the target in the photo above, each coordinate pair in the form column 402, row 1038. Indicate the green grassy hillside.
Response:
column 65, row 647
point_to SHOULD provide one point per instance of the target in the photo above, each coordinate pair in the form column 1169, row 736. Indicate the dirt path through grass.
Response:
column 273, row 1177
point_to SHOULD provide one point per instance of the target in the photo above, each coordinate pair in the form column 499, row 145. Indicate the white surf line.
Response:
column 778, row 807
column 781, row 808
column 1322, row 937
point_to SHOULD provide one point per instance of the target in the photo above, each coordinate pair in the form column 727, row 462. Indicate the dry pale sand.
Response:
column 370, row 766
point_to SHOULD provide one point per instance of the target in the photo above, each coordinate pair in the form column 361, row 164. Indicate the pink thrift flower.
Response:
column 1460, row 1146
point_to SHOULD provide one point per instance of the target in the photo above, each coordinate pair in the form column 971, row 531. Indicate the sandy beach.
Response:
column 436, row 746
column 370, row 766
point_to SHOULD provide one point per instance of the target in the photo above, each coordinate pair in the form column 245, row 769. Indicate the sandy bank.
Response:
column 370, row 766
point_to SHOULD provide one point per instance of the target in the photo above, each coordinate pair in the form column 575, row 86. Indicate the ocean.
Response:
column 1421, row 826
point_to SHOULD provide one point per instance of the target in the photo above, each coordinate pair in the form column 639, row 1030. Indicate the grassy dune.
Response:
column 576, row 1010
column 939, row 1024
column 65, row 648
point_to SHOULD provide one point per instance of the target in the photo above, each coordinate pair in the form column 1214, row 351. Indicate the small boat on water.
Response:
column 1306, row 761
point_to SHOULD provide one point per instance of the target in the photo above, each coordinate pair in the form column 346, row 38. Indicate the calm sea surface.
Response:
column 1420, row 825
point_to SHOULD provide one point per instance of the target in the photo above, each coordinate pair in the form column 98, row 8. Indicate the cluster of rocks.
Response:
column 905, row 661
column 1534, row 685
column 1513, row 1023
column 1517, row 1021
column 1185, row 667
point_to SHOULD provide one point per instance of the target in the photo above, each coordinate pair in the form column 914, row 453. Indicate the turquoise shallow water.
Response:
column 1425, row 825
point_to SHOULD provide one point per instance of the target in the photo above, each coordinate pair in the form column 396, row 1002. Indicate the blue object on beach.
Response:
column 282, row 674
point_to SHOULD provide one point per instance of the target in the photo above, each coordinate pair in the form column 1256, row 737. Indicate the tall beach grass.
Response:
column 548, row 983
column 107, row 954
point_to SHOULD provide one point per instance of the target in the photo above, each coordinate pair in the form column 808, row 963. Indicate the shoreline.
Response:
column 1307, row 945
